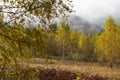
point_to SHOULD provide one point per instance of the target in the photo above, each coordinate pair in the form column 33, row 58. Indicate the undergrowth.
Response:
column 27, row 73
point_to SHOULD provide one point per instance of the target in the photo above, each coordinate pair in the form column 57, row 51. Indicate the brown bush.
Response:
column 52, row 74
column 92, row 77
column 46, row 74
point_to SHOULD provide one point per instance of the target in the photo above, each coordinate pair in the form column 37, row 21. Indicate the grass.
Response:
column 77, row 67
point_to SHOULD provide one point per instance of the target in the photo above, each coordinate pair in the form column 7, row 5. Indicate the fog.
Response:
column 95, row 10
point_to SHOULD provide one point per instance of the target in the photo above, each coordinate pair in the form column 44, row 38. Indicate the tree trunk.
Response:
column 63, row 53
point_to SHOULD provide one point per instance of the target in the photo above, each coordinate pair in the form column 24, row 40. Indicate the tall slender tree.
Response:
column 107, row 46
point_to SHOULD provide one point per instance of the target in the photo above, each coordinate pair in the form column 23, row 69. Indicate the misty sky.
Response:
column 92, row 10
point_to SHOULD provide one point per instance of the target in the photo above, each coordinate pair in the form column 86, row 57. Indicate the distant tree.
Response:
column 53, row 27
column 34, row 41
column 85, row 47
column 107, row 46
column 73, row 41
column 118, row 44
column 62, row 38
column 73, row 51
column 50, row 43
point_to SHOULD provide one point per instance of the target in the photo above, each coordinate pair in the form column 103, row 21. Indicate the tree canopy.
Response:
column 31, row 10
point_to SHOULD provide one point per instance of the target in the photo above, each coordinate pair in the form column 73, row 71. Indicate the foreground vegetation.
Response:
column 50, row 69
column 86, row 68
column 48, row 74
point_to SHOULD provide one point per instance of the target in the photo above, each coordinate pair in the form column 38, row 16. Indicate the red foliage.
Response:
column 93, row 77
column 52, row 74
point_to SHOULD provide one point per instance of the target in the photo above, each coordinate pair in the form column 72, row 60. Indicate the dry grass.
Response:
column 77, row 67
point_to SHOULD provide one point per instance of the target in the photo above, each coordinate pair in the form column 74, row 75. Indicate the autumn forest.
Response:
column 27, row 52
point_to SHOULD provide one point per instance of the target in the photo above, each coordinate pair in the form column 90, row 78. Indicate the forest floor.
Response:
column 77, row 67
